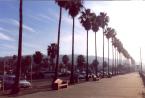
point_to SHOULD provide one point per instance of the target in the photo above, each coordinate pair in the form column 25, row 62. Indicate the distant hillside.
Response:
column 90, row 59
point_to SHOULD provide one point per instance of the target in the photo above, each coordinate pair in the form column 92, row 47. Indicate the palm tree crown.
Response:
column 95, row 22
column 103, row 20
column 109, row 32
column 85, row 19
column 62, row 3
column 74, row 7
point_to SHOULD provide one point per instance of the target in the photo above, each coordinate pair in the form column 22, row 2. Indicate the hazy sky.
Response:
column 41, row 24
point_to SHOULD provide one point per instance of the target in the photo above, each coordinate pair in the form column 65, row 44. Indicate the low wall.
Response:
column 142, row 75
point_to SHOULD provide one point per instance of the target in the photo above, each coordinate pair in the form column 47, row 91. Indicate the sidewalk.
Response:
column 123, row 86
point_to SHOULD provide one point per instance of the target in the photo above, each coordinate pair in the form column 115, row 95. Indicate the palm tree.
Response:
column 74, row 8
column 85, row 20
column 16, row 88
column 80, row 62
column 95, row 28
column 29, row 62
column 103, row 22
column 15, row 60
column 65, row 60
column 95, row 64
column 61, row 4
column 52, row 53
column 119, row 48
column 26, row 61
column 109, row 33
column 127, row 56
column 37, row 57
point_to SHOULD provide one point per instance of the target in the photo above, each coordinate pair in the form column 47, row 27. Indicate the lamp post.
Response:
column 3, row 75
column 140, row 60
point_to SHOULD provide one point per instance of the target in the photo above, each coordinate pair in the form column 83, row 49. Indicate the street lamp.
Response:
column 140, row 60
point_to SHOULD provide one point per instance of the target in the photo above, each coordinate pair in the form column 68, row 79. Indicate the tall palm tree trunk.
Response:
column 96, row 70
column 115, row 61
column 112, row 60
column 119, row 60
column 72, row 66
column 16, row 88
column 118, row 63
column 31, row 71
column 87, row 66
column 58, row 40
column 108, row 57
column 103, row 52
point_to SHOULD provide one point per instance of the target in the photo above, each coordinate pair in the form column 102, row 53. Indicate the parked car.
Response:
column 99, row 75
column 48, row 74
column 80, row 75
column 35, row 75
column 25, row 84
column 64, row 74
column 110, row 74
column 9, row 81
column 105, row 74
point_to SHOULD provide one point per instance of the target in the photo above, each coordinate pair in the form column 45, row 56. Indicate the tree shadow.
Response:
column 44, row 88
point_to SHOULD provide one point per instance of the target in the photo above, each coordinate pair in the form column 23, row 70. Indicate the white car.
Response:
column 25, row 84
column 9, row 81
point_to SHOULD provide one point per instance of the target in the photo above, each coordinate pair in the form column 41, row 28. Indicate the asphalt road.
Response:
column 122, row 86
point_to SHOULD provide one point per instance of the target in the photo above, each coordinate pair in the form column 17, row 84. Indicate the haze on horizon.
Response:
column 41, row 23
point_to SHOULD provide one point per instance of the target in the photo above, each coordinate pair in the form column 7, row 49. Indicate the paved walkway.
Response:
column 123, row 86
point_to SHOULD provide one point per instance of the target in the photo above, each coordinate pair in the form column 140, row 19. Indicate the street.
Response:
column 122, row 86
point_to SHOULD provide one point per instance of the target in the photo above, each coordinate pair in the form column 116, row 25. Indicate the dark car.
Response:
column 48, row 74
column 80, row 74
column 35, row 75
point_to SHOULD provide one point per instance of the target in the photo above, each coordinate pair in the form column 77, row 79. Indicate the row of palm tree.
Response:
column 119, row 49
column 73, row 7
column 110, row 33
column 88, row 20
